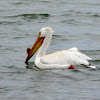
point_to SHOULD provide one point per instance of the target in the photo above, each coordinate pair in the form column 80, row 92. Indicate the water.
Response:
column 76, row 24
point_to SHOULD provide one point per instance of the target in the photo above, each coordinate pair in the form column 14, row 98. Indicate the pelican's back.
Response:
column 71, row 56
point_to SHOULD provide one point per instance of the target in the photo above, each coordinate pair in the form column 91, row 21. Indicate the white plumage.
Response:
column 60, row 59
column 70, row 56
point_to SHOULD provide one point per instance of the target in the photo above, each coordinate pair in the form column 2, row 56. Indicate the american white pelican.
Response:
column 64, row 59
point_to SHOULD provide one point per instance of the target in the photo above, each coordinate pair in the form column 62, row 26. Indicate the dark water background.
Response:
column 76, row 24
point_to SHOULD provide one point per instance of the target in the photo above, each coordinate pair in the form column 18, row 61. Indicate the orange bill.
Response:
column 35, row 47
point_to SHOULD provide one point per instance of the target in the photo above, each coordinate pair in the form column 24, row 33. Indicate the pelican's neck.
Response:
column 44, row 46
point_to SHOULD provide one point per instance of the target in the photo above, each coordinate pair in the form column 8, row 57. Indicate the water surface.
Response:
column 76, row 24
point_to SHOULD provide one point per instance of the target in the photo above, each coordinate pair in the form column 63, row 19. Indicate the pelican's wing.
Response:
column 74, row 49
column 70, row 56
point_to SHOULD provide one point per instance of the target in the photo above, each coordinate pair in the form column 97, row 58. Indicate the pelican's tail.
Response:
column 93, row 67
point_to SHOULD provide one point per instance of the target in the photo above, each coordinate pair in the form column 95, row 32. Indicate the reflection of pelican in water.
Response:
column 64, row 59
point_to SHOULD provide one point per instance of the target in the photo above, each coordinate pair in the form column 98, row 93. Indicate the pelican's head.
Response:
column 44, row 32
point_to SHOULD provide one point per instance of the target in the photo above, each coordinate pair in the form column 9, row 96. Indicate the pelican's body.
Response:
column 58, row 60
